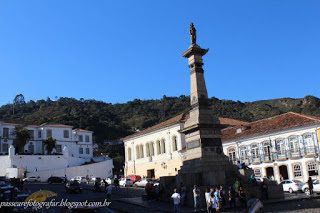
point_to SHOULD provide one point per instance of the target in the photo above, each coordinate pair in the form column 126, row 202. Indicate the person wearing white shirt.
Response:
column 213, row 203
column 176, row 201
column 207, row 195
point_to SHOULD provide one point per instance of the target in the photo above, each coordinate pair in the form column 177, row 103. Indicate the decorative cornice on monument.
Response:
column 194, row 49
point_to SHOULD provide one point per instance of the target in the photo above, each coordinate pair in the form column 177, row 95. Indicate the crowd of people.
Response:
column 217, row 199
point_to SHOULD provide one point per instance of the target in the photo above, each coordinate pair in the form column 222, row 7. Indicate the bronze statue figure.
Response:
column 193, row 34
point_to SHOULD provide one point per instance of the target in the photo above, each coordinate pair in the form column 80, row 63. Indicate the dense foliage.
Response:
column 113, row 121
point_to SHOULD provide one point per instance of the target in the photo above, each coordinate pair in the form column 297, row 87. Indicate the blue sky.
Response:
column 116, row 51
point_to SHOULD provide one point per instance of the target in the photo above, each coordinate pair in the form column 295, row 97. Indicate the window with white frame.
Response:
column 293, row 143
column 255, row 150
column 280, row 146
column 138, row 151
column 257, row 172
column 87, row 138
column 266, row 148
column 87, row 151
column 31, row 148
column 80, row 138
column 39, row 133
column 58, row 148
column 174, row 143
column 5, row 133
column 141, row 151
column 66, row 133
column 243, row 152
column 49, row 133
column 163, row 146
column 80, row 150
column 232, row 154
column 147, row 150
column 5, row 147
column 312, row 168
column 309, row 142
column 152, row 149
column 158, row 148
column 297, row 172
column 129, row 154
column 31, row 134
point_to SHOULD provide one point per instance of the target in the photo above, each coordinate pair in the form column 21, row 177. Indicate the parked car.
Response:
column 316, row 187
column 31, row 179
column 80, row 179
column 292, row 185
column 54, row 179
column 73, row 186
column 125, row 182
column 142, row 183
column 134, row 178
column 110, row 181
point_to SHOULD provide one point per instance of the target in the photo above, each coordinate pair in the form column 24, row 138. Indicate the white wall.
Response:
column 102, row 169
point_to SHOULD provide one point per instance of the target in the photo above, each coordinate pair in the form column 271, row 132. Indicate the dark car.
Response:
column 55, row 180
column 73, row 186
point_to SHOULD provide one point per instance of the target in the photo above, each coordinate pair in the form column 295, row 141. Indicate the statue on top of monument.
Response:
column 193, row 33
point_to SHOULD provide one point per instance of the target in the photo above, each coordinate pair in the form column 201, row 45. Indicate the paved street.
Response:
column 129, row 200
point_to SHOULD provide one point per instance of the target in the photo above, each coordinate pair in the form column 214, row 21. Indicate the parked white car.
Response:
column 316, row 187
column 31, row 179
column 142, row 183
column 80, row 179
column 125, row 182
column 292, row 185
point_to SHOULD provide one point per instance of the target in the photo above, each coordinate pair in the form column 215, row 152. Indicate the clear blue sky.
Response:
column 116, row 51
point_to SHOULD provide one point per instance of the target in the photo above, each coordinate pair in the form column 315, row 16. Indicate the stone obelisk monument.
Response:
column 204, row 162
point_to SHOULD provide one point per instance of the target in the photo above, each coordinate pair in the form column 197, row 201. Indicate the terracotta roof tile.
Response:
column 55, row 125
column 81, row 130
column 280, row 122
column 231, row 122
column 178, row 119
column 181, row 119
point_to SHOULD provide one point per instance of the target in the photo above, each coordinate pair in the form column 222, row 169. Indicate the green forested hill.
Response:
column 112, row 121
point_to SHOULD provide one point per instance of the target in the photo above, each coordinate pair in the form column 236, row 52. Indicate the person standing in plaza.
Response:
column 183, row 191
column 222, row 194
column 176, row 201
column 109, row 192
column 310, row 185
column 207, row 195
column 213, row 203
column 218, row 199
column 196, row 197
column 232, row 198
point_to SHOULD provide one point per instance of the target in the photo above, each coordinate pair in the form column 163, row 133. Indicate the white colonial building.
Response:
column 70, row 158
column 282, row 147
column 78, row 141
column 158, row 151
column 286, row 145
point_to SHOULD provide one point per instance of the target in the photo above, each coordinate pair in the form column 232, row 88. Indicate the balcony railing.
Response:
column 279, row 155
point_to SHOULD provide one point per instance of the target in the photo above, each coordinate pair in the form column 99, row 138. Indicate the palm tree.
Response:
column 22, row 136
column 49, row 143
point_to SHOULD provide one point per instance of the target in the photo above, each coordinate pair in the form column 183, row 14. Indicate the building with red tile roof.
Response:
column 281, row 147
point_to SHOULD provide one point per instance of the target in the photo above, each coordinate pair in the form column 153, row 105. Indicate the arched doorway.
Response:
column 269, row 172
column 283, row 170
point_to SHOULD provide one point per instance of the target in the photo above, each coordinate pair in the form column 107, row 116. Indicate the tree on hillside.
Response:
column 19, row 99
column 50, row 144
column 21, row 137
